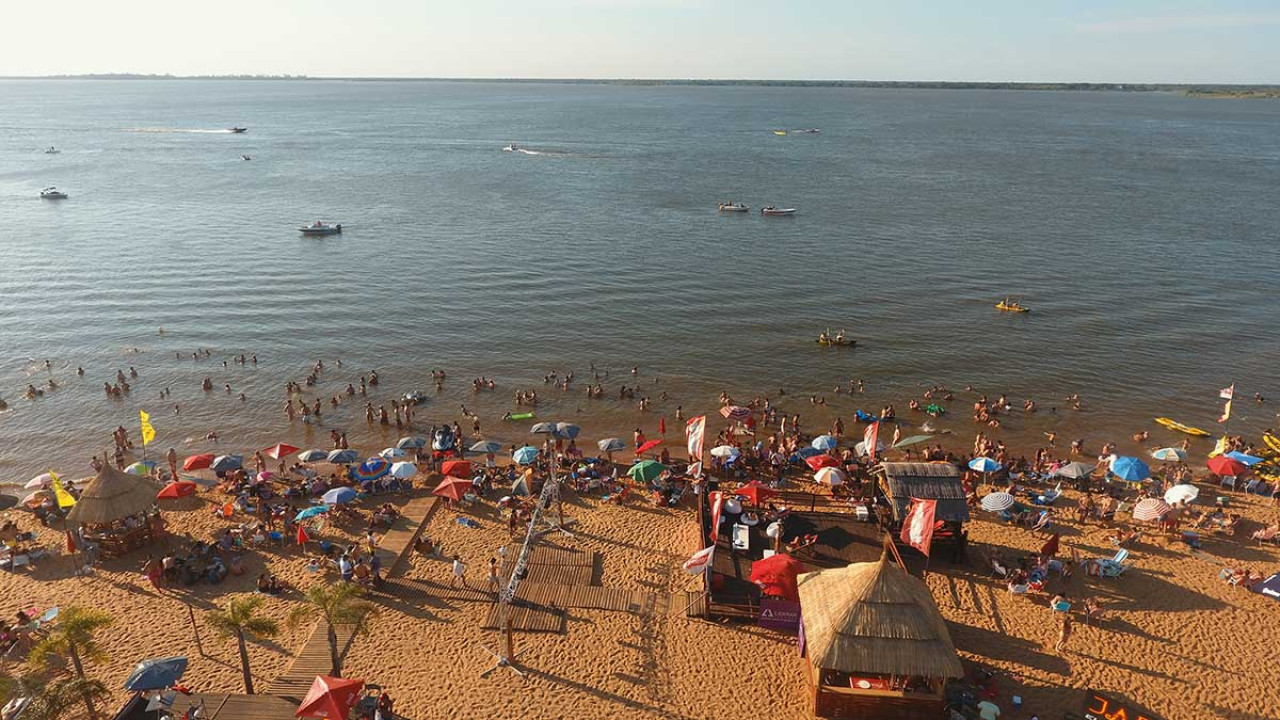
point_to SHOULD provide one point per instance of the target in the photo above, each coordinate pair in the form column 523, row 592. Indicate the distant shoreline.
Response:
column 1192, row 89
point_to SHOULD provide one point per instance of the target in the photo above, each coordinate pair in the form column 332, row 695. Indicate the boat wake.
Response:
column 199, row 131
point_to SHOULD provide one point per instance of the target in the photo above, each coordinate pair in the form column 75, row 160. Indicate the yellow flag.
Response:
column 64, row 498
column 148, row 432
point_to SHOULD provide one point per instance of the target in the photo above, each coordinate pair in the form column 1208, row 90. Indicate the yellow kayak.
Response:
column 1003, row 307
column 1174, row 425
column 1272, row 441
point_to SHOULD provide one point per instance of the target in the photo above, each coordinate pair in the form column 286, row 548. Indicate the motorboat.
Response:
column 319, row 228
column 245, row 157
column 443, row 440
column 52, row 151
column 53, row 193
column 734, row 207
column 810, row 130
column 771, row 210
column 511, row 148
column 237, row 129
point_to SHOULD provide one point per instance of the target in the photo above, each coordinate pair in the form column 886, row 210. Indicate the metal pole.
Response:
column 191, row 613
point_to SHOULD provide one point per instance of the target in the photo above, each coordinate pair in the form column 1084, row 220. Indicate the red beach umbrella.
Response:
column 275, row 452
column 456, row 468
column 817, row 462
column 452, row 488
column 776, row 575
column 175, row 490
column 198, row 462
column 648, row 446
column 330, row 698
column 1223, row 465
column 755, row 492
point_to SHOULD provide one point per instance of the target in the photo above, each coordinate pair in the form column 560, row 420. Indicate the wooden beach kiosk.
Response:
column 115, row 511
column 875, row 645
column 901, row 481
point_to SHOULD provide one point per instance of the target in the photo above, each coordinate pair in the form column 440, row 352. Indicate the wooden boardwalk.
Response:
column 224, row 706
column 394, row 547
column 312, row 660
column 529, row 618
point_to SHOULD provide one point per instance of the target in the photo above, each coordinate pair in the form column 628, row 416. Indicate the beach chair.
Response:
column 1114, row 566
column 1043, row 523
column 1048, row 498
column 1229, row 482
column 1267, row 534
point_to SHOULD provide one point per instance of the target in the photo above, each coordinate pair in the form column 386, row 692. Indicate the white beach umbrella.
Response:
column 38, row 481
column 829, row 476
column 1170, row 454
column 725, row 451
column 403, row 470
column 1181, row 494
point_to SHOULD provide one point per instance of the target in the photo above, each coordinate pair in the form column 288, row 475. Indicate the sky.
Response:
column 1174, row 41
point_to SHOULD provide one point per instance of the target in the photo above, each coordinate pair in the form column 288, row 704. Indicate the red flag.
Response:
column 869, row 439
column 700, row 560
column 717, row 503
column 694, row 432
column 917, row 528
column 662, row 425
column 302, row 536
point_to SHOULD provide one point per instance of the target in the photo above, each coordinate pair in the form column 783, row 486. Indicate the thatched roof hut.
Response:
column 112, row 495
column 874, row 618
column 926, row 481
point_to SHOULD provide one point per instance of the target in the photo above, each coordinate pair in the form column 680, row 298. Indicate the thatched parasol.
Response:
column 112, row 495
column 873, row 617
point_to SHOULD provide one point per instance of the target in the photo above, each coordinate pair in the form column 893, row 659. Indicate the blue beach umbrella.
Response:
column 311, row 512
column 984, row 465
column 412, row 442
column 487, row 446
column 338, row 496
column 808, row 452
column 371, row 469
column 223, row 463
column 825, row 443
column 525, row 455
column 156, row 674
column 310, row 456
column 392, row 453
column 567, row 430
column 1130, row 469
column 1244, row 458
column 343, row 457
column 611, row 445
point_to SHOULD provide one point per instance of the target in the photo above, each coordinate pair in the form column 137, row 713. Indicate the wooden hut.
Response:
column 115, row 511
column 900, row 482
column 875, row 645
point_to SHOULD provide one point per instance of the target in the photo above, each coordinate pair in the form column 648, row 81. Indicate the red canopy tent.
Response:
column 275, row 452
column 175, row 490
column 776, row 576
column 198, row 462
column 330, row 698
column 1224, row 466
column 755, row 492
column 817, row 462
column 452, row 488
column 456, row 468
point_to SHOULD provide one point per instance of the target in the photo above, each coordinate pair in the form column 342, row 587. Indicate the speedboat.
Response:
column 53, row 193
column 771, row 210
column 511, row 148
column 245, row 157
column 810, row 130
column 52, row 151
column 319, row 228
column 734, row 207
column 237, row 129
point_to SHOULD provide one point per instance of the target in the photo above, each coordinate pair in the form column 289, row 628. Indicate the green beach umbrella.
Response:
column 913, row 440
column 646, row 470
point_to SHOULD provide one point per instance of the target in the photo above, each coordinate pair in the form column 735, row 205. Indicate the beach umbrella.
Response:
column 728, row 452
column 1130, row 469
column 984, row 465
column 222, row 463
column 648, row 446
column 313, row 456
column 567, row 430
column 403, row 470
column 1224, row 466
column 339, row 495
column 817, row 462
column 808, row 452
column 279, row 450
column 175, row 490
column 330, row 698
column 345, row 456
column 861, row 447
column 735, row 412
column 1150, row 509
column 142, row 467
column 456, row 468
column 1181, row 494
column 1075, row 471
column 611, row 445
column 776, row 575
column 755, row 492
column 913, row 440
column 311, row 512
column 525, row 455
column 520, row 487
column 543, row 428
column 829, row 476
column 36, row 497
column 998, row 502
column 646, row 470
column 39, row 481
column 452, row 488
column 411, row 443
column 371, row 469
column 825, row 443
column 1244, row 458
column 156, row 674
column 392, row 453
column 197, row 462
column 1170, row 454
column 487, row 447
column 8, row 501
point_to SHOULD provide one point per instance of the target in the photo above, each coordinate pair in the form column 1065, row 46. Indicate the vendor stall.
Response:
column 117, row 511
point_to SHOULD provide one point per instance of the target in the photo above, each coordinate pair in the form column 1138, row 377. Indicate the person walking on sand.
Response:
column 172, row 457
column 494, row 580
column 1064, row 633
column 459, row 572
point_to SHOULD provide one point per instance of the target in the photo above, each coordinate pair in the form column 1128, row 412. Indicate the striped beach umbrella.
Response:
column 735, row 412
column 412, row 442
column 825, row 442
column 567, row 430
column 543, row 428
column 338, row 496
column 371, row 469
column 829, row 476
column 984, row 465
column 227, row 462
column 310, row 456
column 998, row 502
column 1170, row 454
column 1150, row 509
column 487, row 446
column 343, row 457
column 525, row 455
column 611, row 445
column 392, row 453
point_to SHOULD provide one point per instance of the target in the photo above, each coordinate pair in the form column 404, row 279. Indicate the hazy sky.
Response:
column 1050, row 40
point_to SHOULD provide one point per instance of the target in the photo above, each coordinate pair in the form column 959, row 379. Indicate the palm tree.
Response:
column 56, row 700
column 238, row 621
column 337, row 605
column 72, row 637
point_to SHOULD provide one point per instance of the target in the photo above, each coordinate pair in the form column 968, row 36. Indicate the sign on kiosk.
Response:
column 1098, row 706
